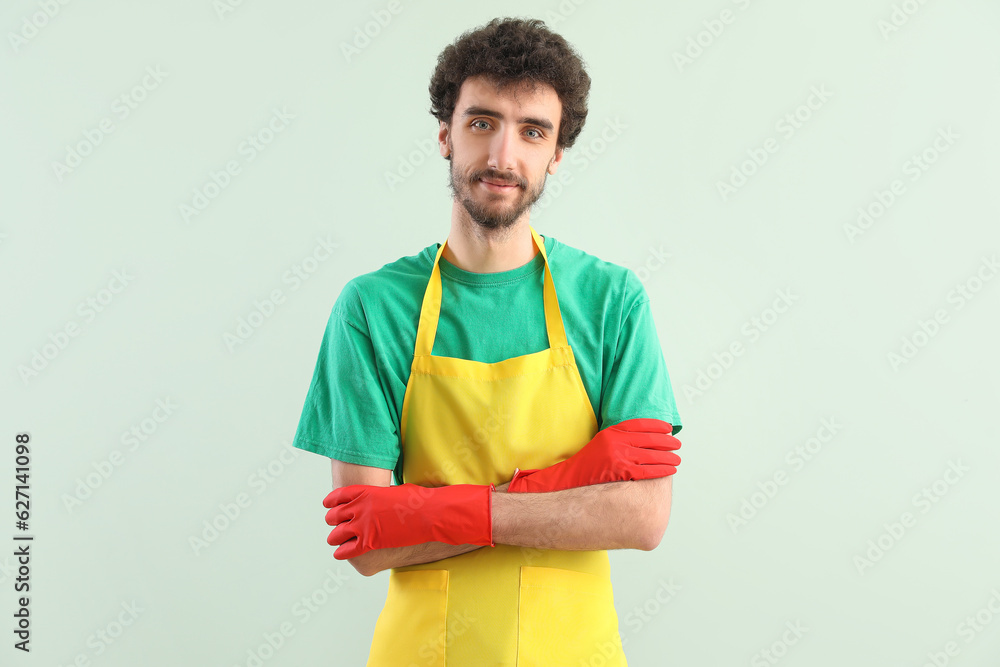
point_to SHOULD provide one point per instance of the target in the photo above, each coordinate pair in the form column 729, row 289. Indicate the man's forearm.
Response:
column 376, row 560
column 616, row 515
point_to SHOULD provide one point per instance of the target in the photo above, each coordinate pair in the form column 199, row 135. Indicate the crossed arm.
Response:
column 613, row 515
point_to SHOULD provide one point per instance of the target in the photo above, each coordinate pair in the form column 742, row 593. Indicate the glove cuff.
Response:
column 489, row 511
column 459, row 514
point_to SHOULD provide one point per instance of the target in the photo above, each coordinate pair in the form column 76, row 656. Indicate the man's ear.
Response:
column 443, row 136
column 554, row 162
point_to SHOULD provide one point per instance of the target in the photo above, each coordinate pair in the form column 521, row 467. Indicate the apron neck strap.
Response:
column 430, row 310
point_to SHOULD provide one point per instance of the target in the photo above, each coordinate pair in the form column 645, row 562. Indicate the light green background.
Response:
column 653, row 187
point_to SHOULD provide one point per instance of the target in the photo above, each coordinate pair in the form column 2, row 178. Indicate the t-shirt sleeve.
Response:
column 639, row 385
column 346, row 415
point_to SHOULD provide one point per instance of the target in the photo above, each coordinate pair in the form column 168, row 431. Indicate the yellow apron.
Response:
column 469, row 422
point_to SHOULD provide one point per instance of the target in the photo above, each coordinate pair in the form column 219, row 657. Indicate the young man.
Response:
column 519, row 458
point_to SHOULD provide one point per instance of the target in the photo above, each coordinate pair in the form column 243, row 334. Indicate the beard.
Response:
column 491, row 210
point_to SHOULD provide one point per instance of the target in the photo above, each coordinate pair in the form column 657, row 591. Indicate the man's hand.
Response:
column 375, row 517
column 631, row 450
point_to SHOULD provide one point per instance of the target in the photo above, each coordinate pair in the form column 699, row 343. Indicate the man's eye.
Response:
column 538, row 134
column 476, row 122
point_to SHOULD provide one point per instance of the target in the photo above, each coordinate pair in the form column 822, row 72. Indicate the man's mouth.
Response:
column 501, row 186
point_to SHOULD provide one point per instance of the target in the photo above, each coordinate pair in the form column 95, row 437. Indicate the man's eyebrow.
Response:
column 483, row 111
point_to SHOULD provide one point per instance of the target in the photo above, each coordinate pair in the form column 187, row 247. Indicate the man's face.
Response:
column 502, row 147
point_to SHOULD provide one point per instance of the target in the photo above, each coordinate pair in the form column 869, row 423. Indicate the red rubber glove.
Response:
column 375, row 517
column 630, row 450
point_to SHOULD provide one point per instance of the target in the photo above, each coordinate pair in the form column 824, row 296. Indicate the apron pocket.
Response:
column 412, row 627
column 565, row 617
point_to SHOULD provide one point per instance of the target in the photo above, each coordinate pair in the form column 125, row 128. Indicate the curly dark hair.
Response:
column 512, row 52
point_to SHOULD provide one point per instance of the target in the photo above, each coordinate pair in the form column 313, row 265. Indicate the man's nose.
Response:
column 502, row 150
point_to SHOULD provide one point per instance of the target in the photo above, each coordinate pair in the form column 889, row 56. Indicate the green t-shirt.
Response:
column 354, row 403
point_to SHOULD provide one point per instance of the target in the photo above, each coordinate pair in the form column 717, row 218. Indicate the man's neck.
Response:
column 473, row 248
